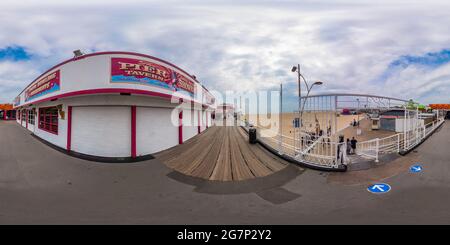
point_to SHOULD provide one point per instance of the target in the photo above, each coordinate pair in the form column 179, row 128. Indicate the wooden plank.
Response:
column 188, row 160
column 258, row 168
column 240, row 168
column 177, row 150
column 199, row 153
column 193, row 143
column 221, row 153
column 267, row 158
column 222, row 168
column 206, row 167
column 271, row 161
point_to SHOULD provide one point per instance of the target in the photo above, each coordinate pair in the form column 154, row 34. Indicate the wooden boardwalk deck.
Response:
column 223, row 154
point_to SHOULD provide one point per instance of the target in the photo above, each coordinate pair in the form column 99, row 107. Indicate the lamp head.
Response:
column 77, row 53
column 294, row 68
column 318, row 83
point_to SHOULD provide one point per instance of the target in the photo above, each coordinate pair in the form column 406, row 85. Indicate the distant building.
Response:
column 444, row 107
column 392, row 120
column 7, row 112
column 224, row 111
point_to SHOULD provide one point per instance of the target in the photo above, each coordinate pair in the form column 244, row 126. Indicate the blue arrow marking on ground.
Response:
column 379, row 188
column 416, row 168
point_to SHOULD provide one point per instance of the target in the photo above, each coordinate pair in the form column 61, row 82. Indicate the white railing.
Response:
column 396, row 143
column 324, row 152
column 368, row 148
column 320, row 151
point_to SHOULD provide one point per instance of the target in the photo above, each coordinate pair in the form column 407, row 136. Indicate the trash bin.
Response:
column 252, row 135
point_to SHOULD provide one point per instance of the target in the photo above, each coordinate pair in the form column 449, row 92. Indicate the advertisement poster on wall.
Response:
column 127, row 70
column 48, row 84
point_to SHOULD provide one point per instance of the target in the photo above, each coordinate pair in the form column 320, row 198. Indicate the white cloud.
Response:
column 14, row 76
column 242, row 45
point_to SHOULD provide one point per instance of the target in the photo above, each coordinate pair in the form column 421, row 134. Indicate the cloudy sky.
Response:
column 392, row 48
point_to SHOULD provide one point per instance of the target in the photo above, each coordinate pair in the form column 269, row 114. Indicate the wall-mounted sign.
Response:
column 127, row 70
column 182, row 82
column 48, row 84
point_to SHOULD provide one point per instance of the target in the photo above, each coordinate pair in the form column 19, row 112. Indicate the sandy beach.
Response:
column 325, row 119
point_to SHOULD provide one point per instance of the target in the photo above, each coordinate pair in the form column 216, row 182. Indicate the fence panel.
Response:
column 323, row 150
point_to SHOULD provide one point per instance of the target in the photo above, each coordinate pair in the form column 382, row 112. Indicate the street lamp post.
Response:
column 308, row 89
column 357, row 112
column 358, row 130
column 294, row 69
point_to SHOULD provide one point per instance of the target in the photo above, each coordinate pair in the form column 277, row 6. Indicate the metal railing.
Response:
column 320, row 151
column 324, row 152
column 396, row 143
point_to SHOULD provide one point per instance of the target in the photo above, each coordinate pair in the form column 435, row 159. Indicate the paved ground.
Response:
column 223, row 154
column 41, row 185
column 366, row 131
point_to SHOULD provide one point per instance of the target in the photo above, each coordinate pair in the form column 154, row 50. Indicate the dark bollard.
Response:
column 252, row 135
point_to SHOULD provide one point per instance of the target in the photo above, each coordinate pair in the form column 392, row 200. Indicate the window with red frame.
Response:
column 48, row 119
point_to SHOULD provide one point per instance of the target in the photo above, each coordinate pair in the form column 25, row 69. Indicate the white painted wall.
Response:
column 93, row 122
column 31, row 127
column 115, row 99
column 94, row 72
column 154, row 130
column 61, row 138
column 203, row 124
column 211, row 121
column 102, row 130
column 190, row 122
column 399, row 124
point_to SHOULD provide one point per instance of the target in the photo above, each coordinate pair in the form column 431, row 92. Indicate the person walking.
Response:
column 353, row 144
column 339, row 150
column 348, row 146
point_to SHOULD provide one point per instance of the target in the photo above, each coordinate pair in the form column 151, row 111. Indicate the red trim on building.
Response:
column 41, row 127
column 133, row 131
column 69, row 128
column 180, row 127
column 108, row 91
column 112, row 52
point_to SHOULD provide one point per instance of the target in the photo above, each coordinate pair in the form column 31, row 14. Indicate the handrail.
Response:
column 312, row 145
column 325, row 154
